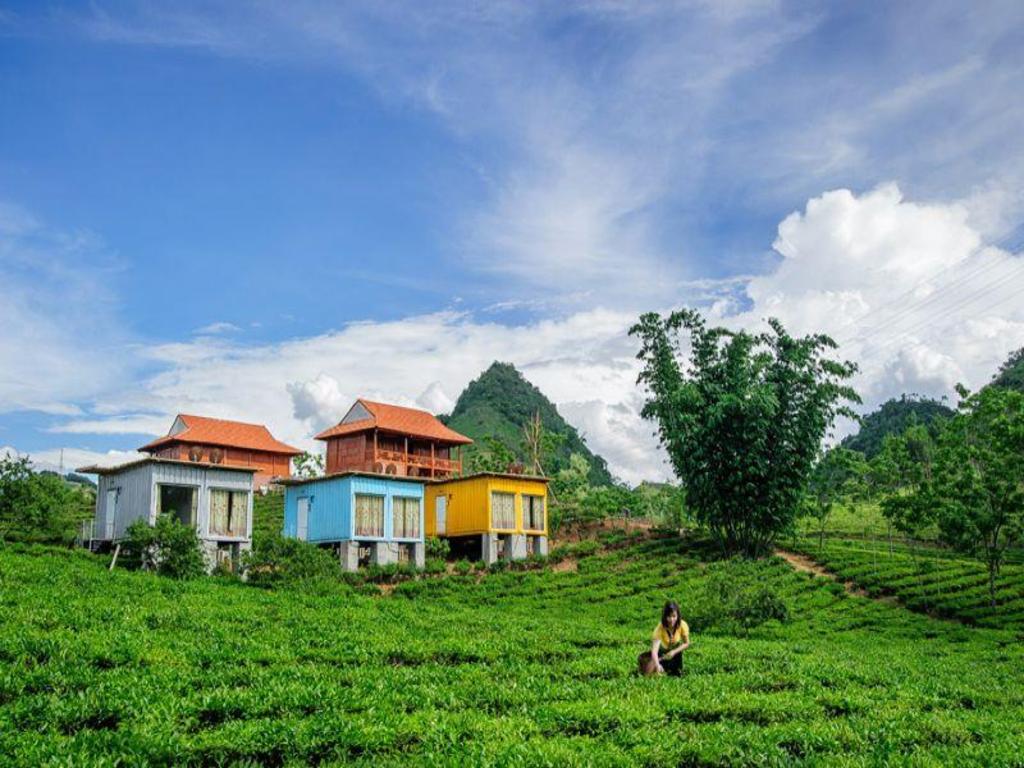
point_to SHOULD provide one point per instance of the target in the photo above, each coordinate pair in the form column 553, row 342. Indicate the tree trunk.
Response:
column 993, row 571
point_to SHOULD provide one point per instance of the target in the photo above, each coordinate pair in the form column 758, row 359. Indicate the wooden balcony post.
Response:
column 432, row 467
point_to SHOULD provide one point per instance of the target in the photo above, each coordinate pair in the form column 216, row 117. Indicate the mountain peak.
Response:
column 501, row 401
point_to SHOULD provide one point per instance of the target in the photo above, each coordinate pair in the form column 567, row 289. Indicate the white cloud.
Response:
column 130, row 424
column 72, row 458
column 59, row 340
column 216, row 328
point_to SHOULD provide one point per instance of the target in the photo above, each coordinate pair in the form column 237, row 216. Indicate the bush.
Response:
column 754, row 608
column 463, row 567
column 275, row 559
column 169, row 548
column 733, row 602
column 437, row 548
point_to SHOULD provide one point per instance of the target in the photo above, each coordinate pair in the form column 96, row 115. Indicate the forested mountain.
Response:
column 1011, row 373
column 893, row 417
column 500, row 402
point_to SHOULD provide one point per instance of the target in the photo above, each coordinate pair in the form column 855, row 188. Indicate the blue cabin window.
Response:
column 369, row 515
column 405, row 513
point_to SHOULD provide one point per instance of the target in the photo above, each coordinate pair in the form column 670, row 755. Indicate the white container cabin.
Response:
column 215, row 499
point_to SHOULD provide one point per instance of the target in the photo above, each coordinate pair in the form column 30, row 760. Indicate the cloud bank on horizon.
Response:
column 822, row 165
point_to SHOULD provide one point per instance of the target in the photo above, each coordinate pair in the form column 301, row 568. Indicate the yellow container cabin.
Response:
column 506, row 515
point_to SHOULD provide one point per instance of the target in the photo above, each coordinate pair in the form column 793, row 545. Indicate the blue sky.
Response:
column 261, row 211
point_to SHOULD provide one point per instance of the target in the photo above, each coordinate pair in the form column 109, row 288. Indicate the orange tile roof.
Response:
column 396, row 418
column 229, row 434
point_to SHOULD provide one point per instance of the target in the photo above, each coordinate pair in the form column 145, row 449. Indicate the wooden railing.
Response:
column 415, row 460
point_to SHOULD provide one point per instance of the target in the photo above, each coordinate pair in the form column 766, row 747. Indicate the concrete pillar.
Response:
column 489, row 548
column 348, row 555
column 540, row 546
column 384, row 553
column 419, row 554
column 515, row 547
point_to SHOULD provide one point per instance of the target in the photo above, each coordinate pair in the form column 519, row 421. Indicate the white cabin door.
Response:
column 441, row 515
column 110, row 514
column 302, row 529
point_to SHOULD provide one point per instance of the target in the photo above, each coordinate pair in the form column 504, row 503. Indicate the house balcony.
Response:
column 434, row 465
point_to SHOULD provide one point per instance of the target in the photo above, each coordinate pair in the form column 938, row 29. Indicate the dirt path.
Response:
column 805, row 564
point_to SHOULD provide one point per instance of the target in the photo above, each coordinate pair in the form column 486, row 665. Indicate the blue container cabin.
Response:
column 368, row 518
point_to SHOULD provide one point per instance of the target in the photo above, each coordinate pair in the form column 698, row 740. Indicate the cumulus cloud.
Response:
column 909, row 290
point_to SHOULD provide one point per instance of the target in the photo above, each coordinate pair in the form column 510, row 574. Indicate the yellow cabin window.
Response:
column 533, row 512
column 503, row 510
column 405, row 513
column 369, row 515
column 228, row 512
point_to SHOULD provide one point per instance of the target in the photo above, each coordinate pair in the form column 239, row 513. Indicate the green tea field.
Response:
column 926, row 579
column 509, row 668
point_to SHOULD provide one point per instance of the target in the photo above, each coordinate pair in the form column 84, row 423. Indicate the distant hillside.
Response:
column 1011, row 373
column 894, row 417
column 500, row 402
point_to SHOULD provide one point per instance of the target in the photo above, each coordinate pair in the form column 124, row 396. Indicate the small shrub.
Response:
column 463, row 567
column 754, row 608
column 437, row 548
column 275, row 559
column 170, row 548
column 434, row 565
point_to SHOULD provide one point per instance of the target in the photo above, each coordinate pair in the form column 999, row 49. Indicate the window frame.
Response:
column 355, row 515
column 419, row 517
column 247, row 495
column 535, row 497
column 492, row 521
column 158, row 506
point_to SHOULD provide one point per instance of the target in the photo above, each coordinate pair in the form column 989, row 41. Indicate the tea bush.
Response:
column 275, row 559
column 926, row 579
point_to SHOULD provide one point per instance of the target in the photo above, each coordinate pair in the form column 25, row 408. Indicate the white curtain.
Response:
column 369, row 515
column 503, row 510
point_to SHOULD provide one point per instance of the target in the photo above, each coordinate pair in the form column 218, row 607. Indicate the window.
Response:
column 228, row 512
column 405, row 517
column 369, row 515
column 181, row 501
column 533, row 513
column 503, row 510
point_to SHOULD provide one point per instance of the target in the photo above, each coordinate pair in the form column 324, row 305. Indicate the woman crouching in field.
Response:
column 673, row 635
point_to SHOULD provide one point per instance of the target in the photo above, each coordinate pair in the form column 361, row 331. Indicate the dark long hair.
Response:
column 669, row 607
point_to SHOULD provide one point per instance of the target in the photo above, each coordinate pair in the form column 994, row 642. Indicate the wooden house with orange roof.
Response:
column 393, row 440
column 231, row 443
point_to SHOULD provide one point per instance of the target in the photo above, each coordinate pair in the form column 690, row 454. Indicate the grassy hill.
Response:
column 893, row 417
column 524, row 668
column 500, row 402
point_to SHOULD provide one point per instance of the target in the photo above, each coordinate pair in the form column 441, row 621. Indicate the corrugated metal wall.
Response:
column 134, row 489
column 469, row 503
column 330, row 509
column 137, row 498
column 332, row 500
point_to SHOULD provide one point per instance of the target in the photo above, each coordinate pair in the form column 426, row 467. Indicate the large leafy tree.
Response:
column 978, row 485
column 742, row 420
